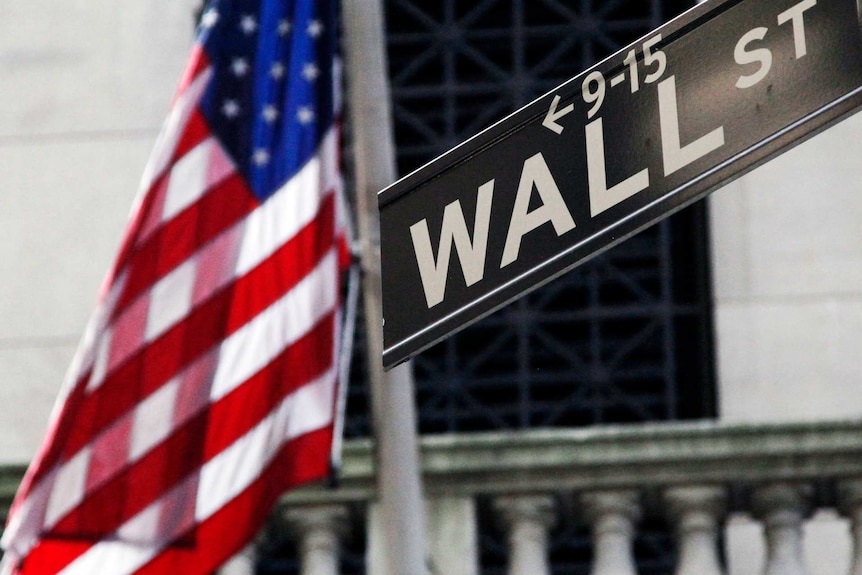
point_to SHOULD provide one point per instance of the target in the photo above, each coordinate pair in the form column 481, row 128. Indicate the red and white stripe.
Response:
column 178, row 422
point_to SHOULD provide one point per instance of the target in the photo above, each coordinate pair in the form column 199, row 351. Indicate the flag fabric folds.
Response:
column 206, row 382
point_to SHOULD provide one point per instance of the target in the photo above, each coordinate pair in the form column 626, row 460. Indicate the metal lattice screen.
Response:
column 624, row 338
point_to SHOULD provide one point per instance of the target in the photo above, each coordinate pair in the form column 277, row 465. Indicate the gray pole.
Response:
column 400, row 506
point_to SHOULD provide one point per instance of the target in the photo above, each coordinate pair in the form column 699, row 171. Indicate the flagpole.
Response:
column 399, row 490
column 345, row 358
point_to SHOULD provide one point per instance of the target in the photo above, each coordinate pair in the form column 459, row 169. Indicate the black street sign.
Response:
column 706, row 97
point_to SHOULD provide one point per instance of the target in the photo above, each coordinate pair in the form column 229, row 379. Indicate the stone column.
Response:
column 527, row 519
column 850, row 500
column 782, row 508
column 319, row 530
column 612, row 515
column 452, row 535
column 696, row 512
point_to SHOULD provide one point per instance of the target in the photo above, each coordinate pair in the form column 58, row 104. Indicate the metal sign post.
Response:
column 397, row 539
column 660, row 124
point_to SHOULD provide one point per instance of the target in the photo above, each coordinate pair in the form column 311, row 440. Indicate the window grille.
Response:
column 624, row 338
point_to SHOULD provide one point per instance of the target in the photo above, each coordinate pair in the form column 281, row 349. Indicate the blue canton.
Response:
column 271, row 96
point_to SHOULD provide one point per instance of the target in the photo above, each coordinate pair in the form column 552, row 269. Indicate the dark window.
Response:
column 624, row 338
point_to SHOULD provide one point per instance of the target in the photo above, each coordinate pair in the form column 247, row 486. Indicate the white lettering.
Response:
column 554, row 114
column 602, row 198
column 761, row 55
column 674, row 155
column 796, row 15
column 553, row 209
column 454, row 230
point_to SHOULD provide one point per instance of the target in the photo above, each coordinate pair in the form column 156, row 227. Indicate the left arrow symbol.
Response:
column 550, row 121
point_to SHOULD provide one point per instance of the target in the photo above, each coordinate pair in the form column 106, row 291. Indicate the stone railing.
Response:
column 697, row 476
column 705, row 479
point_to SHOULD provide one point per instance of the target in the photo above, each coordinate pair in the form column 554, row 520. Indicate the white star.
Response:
column 315, row 28
column 305, row 115
column 239, row 67
column 284, row 27
column 277, row 71
column 260, row 157
column 310, row 72
column 230, row 109
column 270, row 113
column 210, row 18
column 248, row 24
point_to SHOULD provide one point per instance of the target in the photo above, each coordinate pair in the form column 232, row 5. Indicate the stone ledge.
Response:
column 607, row 457
column 612, row 457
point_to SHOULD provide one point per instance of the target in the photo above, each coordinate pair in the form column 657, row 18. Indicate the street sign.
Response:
column 706, row 97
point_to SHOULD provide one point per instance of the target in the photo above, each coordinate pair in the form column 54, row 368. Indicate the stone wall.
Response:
column 85, row 87
column 787, row 274
column 787, row 277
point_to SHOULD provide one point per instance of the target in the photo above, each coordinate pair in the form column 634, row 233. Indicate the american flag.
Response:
column 206, row 381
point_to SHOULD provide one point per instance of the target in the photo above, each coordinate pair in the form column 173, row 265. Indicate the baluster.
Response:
column 319, row 529
column 850, row 496
column 527, row 519
column 696, row 512
column 452, row 535
column 612, row 516
column 782, row 508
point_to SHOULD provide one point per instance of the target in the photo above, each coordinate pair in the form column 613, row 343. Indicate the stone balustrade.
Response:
column 693, row 476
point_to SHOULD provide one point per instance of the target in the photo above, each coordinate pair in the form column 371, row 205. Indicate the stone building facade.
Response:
column 84, row 88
